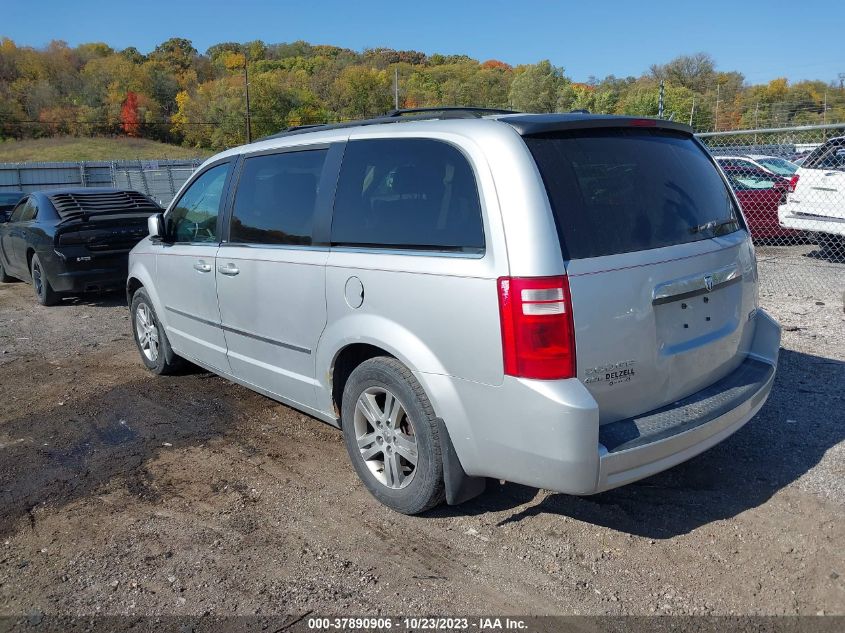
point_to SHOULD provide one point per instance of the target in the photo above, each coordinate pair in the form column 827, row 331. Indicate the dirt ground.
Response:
column 126, row 493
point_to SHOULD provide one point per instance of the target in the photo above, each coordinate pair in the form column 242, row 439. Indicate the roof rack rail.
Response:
column 458, row 111
column 397, row 116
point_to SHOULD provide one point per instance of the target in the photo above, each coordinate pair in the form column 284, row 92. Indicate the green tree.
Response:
column 537, row 87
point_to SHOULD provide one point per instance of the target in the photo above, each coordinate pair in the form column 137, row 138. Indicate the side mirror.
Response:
column 155, row 226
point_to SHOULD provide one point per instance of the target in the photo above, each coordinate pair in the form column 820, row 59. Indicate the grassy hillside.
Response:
column 75, row 149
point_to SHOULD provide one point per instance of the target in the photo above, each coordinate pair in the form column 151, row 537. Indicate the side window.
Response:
column 276, row 197
column 834, row 160
column 407, row 193
column 194, row 217
column 25, row 211
column 18, row 211
column 825, row 157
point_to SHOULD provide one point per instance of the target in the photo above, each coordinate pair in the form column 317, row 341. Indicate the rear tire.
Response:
column 831, row 246
column 391, row 436
column 43, row 290
column 150, row 337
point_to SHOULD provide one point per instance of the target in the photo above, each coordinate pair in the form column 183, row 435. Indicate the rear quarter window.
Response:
column 416, row 194
column 621, row 190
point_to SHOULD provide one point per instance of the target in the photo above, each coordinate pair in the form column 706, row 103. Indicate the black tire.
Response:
column 164, row 361
column 831, row 246
column 43, row 290
column 424, row 488
column 4, row 278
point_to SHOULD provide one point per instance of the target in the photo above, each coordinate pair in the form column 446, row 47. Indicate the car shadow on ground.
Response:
column 113, row 299
column 784, row 441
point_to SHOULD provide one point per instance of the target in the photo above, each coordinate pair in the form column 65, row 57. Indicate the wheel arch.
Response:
column 358, row 335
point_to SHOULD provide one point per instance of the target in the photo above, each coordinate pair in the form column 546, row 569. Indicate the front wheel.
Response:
column 43, row 290
column 392, row 437
column 151, row 338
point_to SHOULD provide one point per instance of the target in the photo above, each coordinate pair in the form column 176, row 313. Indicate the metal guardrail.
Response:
column 159, row 179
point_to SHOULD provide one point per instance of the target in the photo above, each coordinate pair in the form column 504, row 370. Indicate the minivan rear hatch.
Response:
column 660, row 267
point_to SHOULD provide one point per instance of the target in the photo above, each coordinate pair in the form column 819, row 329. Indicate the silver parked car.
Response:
column 564, row 301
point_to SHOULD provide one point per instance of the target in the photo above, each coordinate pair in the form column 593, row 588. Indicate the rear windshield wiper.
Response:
column 713, row 224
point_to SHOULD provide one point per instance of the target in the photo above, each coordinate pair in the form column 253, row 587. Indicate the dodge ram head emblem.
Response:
column 708, row 282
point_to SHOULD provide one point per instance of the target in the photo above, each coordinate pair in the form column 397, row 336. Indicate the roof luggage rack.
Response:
column 397, row 116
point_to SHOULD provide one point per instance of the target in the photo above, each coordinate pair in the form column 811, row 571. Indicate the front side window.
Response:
column 417, row 194
column 194, row 217
column 276, row 198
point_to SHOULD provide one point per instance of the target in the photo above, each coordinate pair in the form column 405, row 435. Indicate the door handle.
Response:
column 229, row 270
column 202, row 267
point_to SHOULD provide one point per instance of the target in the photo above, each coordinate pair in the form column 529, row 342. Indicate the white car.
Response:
column 817, row 202
column 753, row 162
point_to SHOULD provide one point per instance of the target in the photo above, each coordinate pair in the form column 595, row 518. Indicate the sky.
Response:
column 763, row 40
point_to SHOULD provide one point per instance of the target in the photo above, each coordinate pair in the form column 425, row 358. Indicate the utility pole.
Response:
column 396, row 88
column 692, row 111
column 660, row 100
column 246, row 86
column 716, row 117
column 824, row 109
column 756, row 120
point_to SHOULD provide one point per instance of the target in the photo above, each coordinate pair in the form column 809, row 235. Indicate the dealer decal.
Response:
column 612, row 374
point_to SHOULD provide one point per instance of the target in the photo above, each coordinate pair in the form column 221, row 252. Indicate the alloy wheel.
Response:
column 386, row 438
column 147, row 332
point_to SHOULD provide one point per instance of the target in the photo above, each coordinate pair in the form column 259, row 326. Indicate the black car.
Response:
column 73, row 240
column 8, row 200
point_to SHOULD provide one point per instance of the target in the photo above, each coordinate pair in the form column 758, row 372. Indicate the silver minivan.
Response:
column 566, row 301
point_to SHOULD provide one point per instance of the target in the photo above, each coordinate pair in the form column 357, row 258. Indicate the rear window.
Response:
column 831, row 155
column 620, row 190
column 417, row 194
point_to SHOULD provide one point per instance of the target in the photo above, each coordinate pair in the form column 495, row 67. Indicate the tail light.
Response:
column 793, row 182
column 538, row 336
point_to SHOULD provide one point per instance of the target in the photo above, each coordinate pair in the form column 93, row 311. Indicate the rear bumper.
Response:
column 789, row 217
column 638, row 447
column 547, row 433
column 100, row 273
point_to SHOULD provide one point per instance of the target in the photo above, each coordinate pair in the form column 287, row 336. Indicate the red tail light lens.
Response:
column 538, row 336
column 793, row 182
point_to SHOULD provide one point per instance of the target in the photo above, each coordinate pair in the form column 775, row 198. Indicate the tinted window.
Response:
column 28, row 210
column 622, row 190
column 18, row 211
column 407, row 193
column 276, row 198
column 194, row 218
column 825, row 156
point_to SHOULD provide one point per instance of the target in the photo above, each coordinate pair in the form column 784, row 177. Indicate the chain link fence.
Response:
column 790, row 183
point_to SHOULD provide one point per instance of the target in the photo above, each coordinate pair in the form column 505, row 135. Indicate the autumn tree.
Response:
column 129, row 115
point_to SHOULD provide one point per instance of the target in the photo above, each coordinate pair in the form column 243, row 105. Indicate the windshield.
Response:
column 620, row 190
column 779, row 166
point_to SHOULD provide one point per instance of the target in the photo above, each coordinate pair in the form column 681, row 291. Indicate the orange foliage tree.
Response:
column 129, row 118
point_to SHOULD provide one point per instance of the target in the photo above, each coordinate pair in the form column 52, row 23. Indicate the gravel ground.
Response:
column 125, row 493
